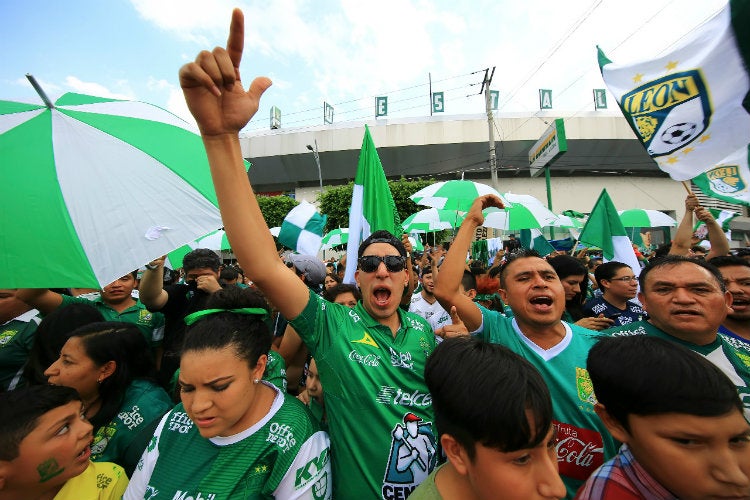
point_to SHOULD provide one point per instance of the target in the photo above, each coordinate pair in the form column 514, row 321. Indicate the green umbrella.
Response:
column 453, row 195
column 216, row 241
column 93, row 188
column 432, row 219
column 637, row 217
column 336, row 237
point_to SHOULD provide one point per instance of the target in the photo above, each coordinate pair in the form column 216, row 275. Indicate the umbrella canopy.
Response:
column 93, row 188
column 567, row 222
column 432, row 219
column 216, row 241
column 416, row 244
column 637, row 217
column 452, row 195
column 336, row 237
column 518, row 217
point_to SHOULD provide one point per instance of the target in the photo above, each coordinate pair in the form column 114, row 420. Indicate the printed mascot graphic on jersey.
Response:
column 412, row 457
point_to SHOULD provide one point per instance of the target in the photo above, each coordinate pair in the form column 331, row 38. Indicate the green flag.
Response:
column 729, row 180
column 604, row 229
column 723, row 217
column 688, row 106
column 372, row 206
column 533, row 239
column 302, row 229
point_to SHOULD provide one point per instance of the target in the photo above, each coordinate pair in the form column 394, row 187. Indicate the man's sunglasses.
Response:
column 393, row 263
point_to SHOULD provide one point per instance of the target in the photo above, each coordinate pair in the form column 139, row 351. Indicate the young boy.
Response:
column 44, row 449
column 494, row 414
column 679, row 418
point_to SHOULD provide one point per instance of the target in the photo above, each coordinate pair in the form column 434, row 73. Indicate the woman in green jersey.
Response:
column 234, row 435
column 109, row 363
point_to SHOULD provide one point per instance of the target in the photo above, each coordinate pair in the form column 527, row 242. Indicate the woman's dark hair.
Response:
column 565, row 266
column 334, row 277
column 331, row 293
column 51, row 335
column 643, row 375
column 124, row 344
column 246, row 334
column 506, row 389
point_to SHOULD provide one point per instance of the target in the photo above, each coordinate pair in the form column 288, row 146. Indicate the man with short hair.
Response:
column 202, row 269
column 425, row 303
column 534, row 293
column 115, row 302
column 687, row 302
column 618, row 285
column 736, row 274
column 18, row 322
column 371, row 358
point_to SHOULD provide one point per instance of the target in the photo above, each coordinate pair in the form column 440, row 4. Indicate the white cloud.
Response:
column 97, row 89
column 177, row 105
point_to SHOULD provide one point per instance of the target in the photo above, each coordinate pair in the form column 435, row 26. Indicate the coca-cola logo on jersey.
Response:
column 579, row 451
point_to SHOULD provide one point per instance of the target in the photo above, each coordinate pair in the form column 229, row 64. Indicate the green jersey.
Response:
column 276, row 370
column 125, row 437
column 16, row 339
column 428, row 489
column 151, row 324
column 583, row 442
column 378, row 406
column 733, row 358
column 284, row 455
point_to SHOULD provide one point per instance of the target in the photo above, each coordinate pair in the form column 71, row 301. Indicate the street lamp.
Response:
column 317, row 162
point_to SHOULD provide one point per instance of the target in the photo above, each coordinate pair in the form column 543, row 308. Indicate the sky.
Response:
column 343, row 52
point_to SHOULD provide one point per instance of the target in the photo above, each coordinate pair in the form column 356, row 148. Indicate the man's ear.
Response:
column 455, row 453
column 4, row 473
column 612, row 424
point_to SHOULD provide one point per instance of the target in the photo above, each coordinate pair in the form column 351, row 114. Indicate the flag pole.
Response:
column 687, row 187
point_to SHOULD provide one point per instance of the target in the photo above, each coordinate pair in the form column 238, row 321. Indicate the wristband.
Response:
column 152, row 267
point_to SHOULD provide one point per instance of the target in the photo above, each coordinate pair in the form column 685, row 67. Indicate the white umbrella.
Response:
column 452, row 195
column 336, row 237
column 638, row 217
column 432, row 219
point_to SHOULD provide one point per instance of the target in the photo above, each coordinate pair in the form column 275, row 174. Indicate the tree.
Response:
column 275, row 208
column 335, row 201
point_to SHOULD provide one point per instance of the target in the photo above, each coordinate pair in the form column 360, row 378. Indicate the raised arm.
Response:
column 151, row 288
column 221, row 106
column 41, row 299
column 716, row 236
column 681, row 240
column 447, row 288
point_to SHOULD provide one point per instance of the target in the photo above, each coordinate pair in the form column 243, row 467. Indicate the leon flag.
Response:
column 533, row 239
column 302, row 229
column 372, row 204
column 729, row 180
column 604, row 229
column 686, row 106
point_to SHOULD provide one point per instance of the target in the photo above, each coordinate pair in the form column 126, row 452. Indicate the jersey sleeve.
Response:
column 309, row 475
column 310, row 324
column 139, row 482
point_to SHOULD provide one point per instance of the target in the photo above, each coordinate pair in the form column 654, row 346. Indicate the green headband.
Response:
column 257, row 311
column 485, row 296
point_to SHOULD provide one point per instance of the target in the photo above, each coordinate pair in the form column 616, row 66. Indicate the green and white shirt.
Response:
column 284, row 456
column 124, row 438
column 151, row 324
column 583, row 442
column 377, row 403
column 16, row 339
column 733, row 358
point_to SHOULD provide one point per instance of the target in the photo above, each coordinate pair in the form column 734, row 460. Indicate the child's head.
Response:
column 44, row 439
column 312, row 382
column 503, row 423
column 681, row 417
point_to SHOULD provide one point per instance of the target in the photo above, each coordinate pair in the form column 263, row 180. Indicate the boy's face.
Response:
column 694, row 457
column 55, row 451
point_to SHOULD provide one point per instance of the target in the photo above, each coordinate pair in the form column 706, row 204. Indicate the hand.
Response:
column 597, row 323
column 208, row 284
column 304, row 396
column 213, row 89
column 455, row 329
column 704, row 215
column 482, row 202
column 159, row 262
column 407, row 243
column 691, row 202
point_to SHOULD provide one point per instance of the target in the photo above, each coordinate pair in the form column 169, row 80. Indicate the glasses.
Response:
column 625, row 279
column 393, row 263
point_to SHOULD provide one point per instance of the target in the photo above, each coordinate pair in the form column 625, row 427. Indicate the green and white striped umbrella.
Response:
column 638, row 217
column 453, row 195
column 432, row 219
column 336, row 237
column 93, row 188
column 216, row 241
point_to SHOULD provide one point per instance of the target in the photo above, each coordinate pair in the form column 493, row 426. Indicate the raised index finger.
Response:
column 236, row 40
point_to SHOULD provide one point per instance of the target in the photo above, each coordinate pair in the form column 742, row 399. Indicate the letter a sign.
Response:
column 545, row 99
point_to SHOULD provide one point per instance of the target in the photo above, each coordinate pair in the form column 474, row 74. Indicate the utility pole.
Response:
column 490, row 123
column 317, row 162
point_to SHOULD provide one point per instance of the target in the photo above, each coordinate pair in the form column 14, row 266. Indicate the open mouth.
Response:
column 542, row 301
column 381, row 295
column 84, row 455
